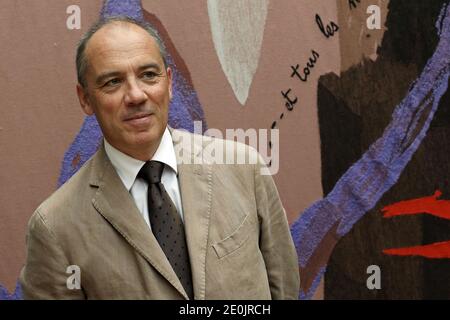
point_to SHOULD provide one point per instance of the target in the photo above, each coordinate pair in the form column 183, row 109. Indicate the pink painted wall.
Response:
column 40, row 114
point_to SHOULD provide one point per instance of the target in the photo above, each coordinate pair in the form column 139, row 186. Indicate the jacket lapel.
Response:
column 195, row 182
column 117, row 206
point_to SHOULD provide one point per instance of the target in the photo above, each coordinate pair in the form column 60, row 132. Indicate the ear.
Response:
column 169, row 78
column 84, row 100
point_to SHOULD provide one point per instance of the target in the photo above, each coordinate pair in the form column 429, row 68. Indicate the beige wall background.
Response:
column 40, row 114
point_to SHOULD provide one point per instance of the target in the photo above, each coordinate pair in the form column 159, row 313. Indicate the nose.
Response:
column 134, row 94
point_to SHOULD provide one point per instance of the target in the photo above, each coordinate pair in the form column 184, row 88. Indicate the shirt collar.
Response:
column 128, row 168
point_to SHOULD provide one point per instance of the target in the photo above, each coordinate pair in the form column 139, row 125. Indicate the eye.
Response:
column 150, row 75
column 112, row 82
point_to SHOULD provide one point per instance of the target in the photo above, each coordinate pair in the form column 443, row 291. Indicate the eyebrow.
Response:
column 102, row 77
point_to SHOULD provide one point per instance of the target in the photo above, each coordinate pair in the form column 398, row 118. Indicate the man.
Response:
column 136, row 222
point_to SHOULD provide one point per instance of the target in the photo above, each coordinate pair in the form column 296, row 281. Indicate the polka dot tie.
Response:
column 166, row 223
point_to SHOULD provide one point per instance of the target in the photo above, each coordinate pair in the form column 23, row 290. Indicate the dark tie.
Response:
column 166, row 223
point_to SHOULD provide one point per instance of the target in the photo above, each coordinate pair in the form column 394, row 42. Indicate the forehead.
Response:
column 121, row 43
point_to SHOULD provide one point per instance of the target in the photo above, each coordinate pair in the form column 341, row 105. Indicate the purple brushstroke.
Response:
column 17, row 295
column 308, row 295
column 129, row 8
column 84, row 146
column 362, row 186
column 184, row 109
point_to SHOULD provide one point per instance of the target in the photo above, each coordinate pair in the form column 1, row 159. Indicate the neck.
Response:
column 142, row 152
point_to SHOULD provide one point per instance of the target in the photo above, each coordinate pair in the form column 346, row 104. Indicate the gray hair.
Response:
column 81, row 59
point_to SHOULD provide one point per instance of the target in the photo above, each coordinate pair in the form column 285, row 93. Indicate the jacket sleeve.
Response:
column 44, row 274
column 276, row 243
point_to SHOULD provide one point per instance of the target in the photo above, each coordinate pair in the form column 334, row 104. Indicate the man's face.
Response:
column 128, row 88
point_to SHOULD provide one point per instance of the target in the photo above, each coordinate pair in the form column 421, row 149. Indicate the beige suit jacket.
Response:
column 237, row 234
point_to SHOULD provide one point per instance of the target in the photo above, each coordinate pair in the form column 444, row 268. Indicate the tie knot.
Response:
column 152, row 171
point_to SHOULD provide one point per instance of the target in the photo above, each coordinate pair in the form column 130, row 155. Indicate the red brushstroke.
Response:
column 426, row 205
column 437, row 250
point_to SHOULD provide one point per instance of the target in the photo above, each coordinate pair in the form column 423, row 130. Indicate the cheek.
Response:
column 160, row 94
column 109, row 107
column 158, row 97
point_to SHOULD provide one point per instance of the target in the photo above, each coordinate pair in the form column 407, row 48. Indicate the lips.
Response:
column 138, row 116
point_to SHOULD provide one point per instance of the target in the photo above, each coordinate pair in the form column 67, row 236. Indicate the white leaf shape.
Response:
column 237, row 28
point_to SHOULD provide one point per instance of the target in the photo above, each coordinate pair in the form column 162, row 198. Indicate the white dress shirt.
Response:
column 128, row 168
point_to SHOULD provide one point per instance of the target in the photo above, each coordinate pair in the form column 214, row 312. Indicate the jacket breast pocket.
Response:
column 236, row 239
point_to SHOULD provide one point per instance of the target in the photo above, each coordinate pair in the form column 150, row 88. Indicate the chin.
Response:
column 147, row 138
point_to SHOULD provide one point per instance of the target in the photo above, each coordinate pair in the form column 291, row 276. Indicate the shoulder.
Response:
column 70, row 199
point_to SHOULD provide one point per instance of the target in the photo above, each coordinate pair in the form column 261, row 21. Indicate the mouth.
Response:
column 139, row 119
column 138, row 116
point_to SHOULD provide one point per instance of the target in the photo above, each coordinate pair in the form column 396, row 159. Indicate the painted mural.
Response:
column 359, row 93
